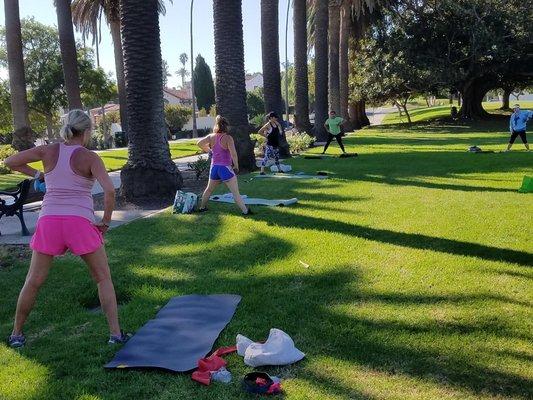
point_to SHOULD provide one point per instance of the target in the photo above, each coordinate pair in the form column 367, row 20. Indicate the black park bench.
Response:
column 20, row 197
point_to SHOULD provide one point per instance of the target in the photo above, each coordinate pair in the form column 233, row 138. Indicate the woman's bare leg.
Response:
column 211, row 185
column 37, row 274
column 99, row 268
column 233, row 186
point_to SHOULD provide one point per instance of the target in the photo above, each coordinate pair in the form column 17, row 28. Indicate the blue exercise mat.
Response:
column 183, row 332
column 228, row 198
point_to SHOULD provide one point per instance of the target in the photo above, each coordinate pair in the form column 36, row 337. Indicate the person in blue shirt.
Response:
column 518, row 124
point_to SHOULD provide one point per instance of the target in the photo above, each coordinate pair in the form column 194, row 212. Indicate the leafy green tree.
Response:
column 44, row 75
column 37, row 120
column 6, row 120
column 204, row 87
column 255, row 102
column 470, row 46
column 176, row 116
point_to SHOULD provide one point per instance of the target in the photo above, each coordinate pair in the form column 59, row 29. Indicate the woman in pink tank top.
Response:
column 224, row 155
column 66, row 221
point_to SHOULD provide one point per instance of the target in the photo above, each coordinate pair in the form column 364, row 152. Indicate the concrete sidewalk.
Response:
column 377, row 115
column 10, row 226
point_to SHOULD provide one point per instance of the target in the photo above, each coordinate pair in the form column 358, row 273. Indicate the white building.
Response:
column 254, row 81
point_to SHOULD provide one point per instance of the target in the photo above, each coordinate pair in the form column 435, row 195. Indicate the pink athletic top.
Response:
column 67, row 193
column 221, row 156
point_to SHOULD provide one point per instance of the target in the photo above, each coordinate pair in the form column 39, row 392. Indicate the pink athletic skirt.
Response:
column 55, row 234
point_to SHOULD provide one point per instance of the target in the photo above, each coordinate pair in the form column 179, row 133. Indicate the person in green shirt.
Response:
column 334, row 127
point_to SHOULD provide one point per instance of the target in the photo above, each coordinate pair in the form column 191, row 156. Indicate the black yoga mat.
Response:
column 183, row 331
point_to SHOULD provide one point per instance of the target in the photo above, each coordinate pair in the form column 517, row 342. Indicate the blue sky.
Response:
column 175, row 32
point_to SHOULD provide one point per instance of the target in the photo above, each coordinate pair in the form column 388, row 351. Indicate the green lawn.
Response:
column 113, row 160
column 426, row 113
column 419, row 283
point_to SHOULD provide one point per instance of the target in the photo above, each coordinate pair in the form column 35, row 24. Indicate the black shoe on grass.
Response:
column 119, row 339
column 16, row 341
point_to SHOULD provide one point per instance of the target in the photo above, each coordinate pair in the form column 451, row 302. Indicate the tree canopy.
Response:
column 430, row 46
column 44, row 76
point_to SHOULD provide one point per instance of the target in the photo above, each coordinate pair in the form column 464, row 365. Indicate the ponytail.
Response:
column 76, row 123
column 221, row 124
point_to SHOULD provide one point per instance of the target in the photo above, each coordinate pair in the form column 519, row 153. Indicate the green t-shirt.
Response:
column 334, row 125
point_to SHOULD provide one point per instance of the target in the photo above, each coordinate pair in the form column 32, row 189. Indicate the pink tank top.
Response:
column 67, row 193
column 221, row 156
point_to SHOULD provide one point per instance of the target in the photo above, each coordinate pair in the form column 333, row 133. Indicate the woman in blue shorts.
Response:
column 224, row 155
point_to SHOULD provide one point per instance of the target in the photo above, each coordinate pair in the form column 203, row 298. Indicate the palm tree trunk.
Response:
column 119, row 68
column 23, row 135
column 271, row 64
column 357, row 109
column 321, row 68
column 344, row 63
column 150, row 172
column 67, row 43
column 333, row 43
column 301, row 90
column 230, row 82
column 270, row 56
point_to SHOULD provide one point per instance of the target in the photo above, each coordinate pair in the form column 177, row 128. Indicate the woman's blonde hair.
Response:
column 76, row 123
column 221, row 124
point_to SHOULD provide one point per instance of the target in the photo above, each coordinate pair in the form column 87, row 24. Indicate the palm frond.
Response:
column 86, row 14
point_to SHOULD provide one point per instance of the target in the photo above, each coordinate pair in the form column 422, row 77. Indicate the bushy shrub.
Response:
column 98, row 140
column 5, row 151
column 299, row 141
column 177, row 116
column 255, row 101
column 6, row 137
column 200, row 166
column 258, row 121
column 259, row 143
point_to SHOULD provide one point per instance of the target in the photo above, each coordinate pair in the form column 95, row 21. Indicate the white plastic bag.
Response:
column 279, row 349
column 283, row 167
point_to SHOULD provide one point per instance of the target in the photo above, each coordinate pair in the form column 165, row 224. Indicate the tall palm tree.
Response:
column 271, row 64
column 344, row 68
column 67, row 44
column 23, row 136
column 301, row 90
column 149, row 172
column 86, row 15
column 333, row 43
column 230, row 82
column 321, row 67
column 183, row 70
column 270, row 56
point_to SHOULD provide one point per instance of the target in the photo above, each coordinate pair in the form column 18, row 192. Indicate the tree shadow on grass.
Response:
column 412, row 240
column 185, row 257
column 428, row 140
column 418, row 168
column 432, row 185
